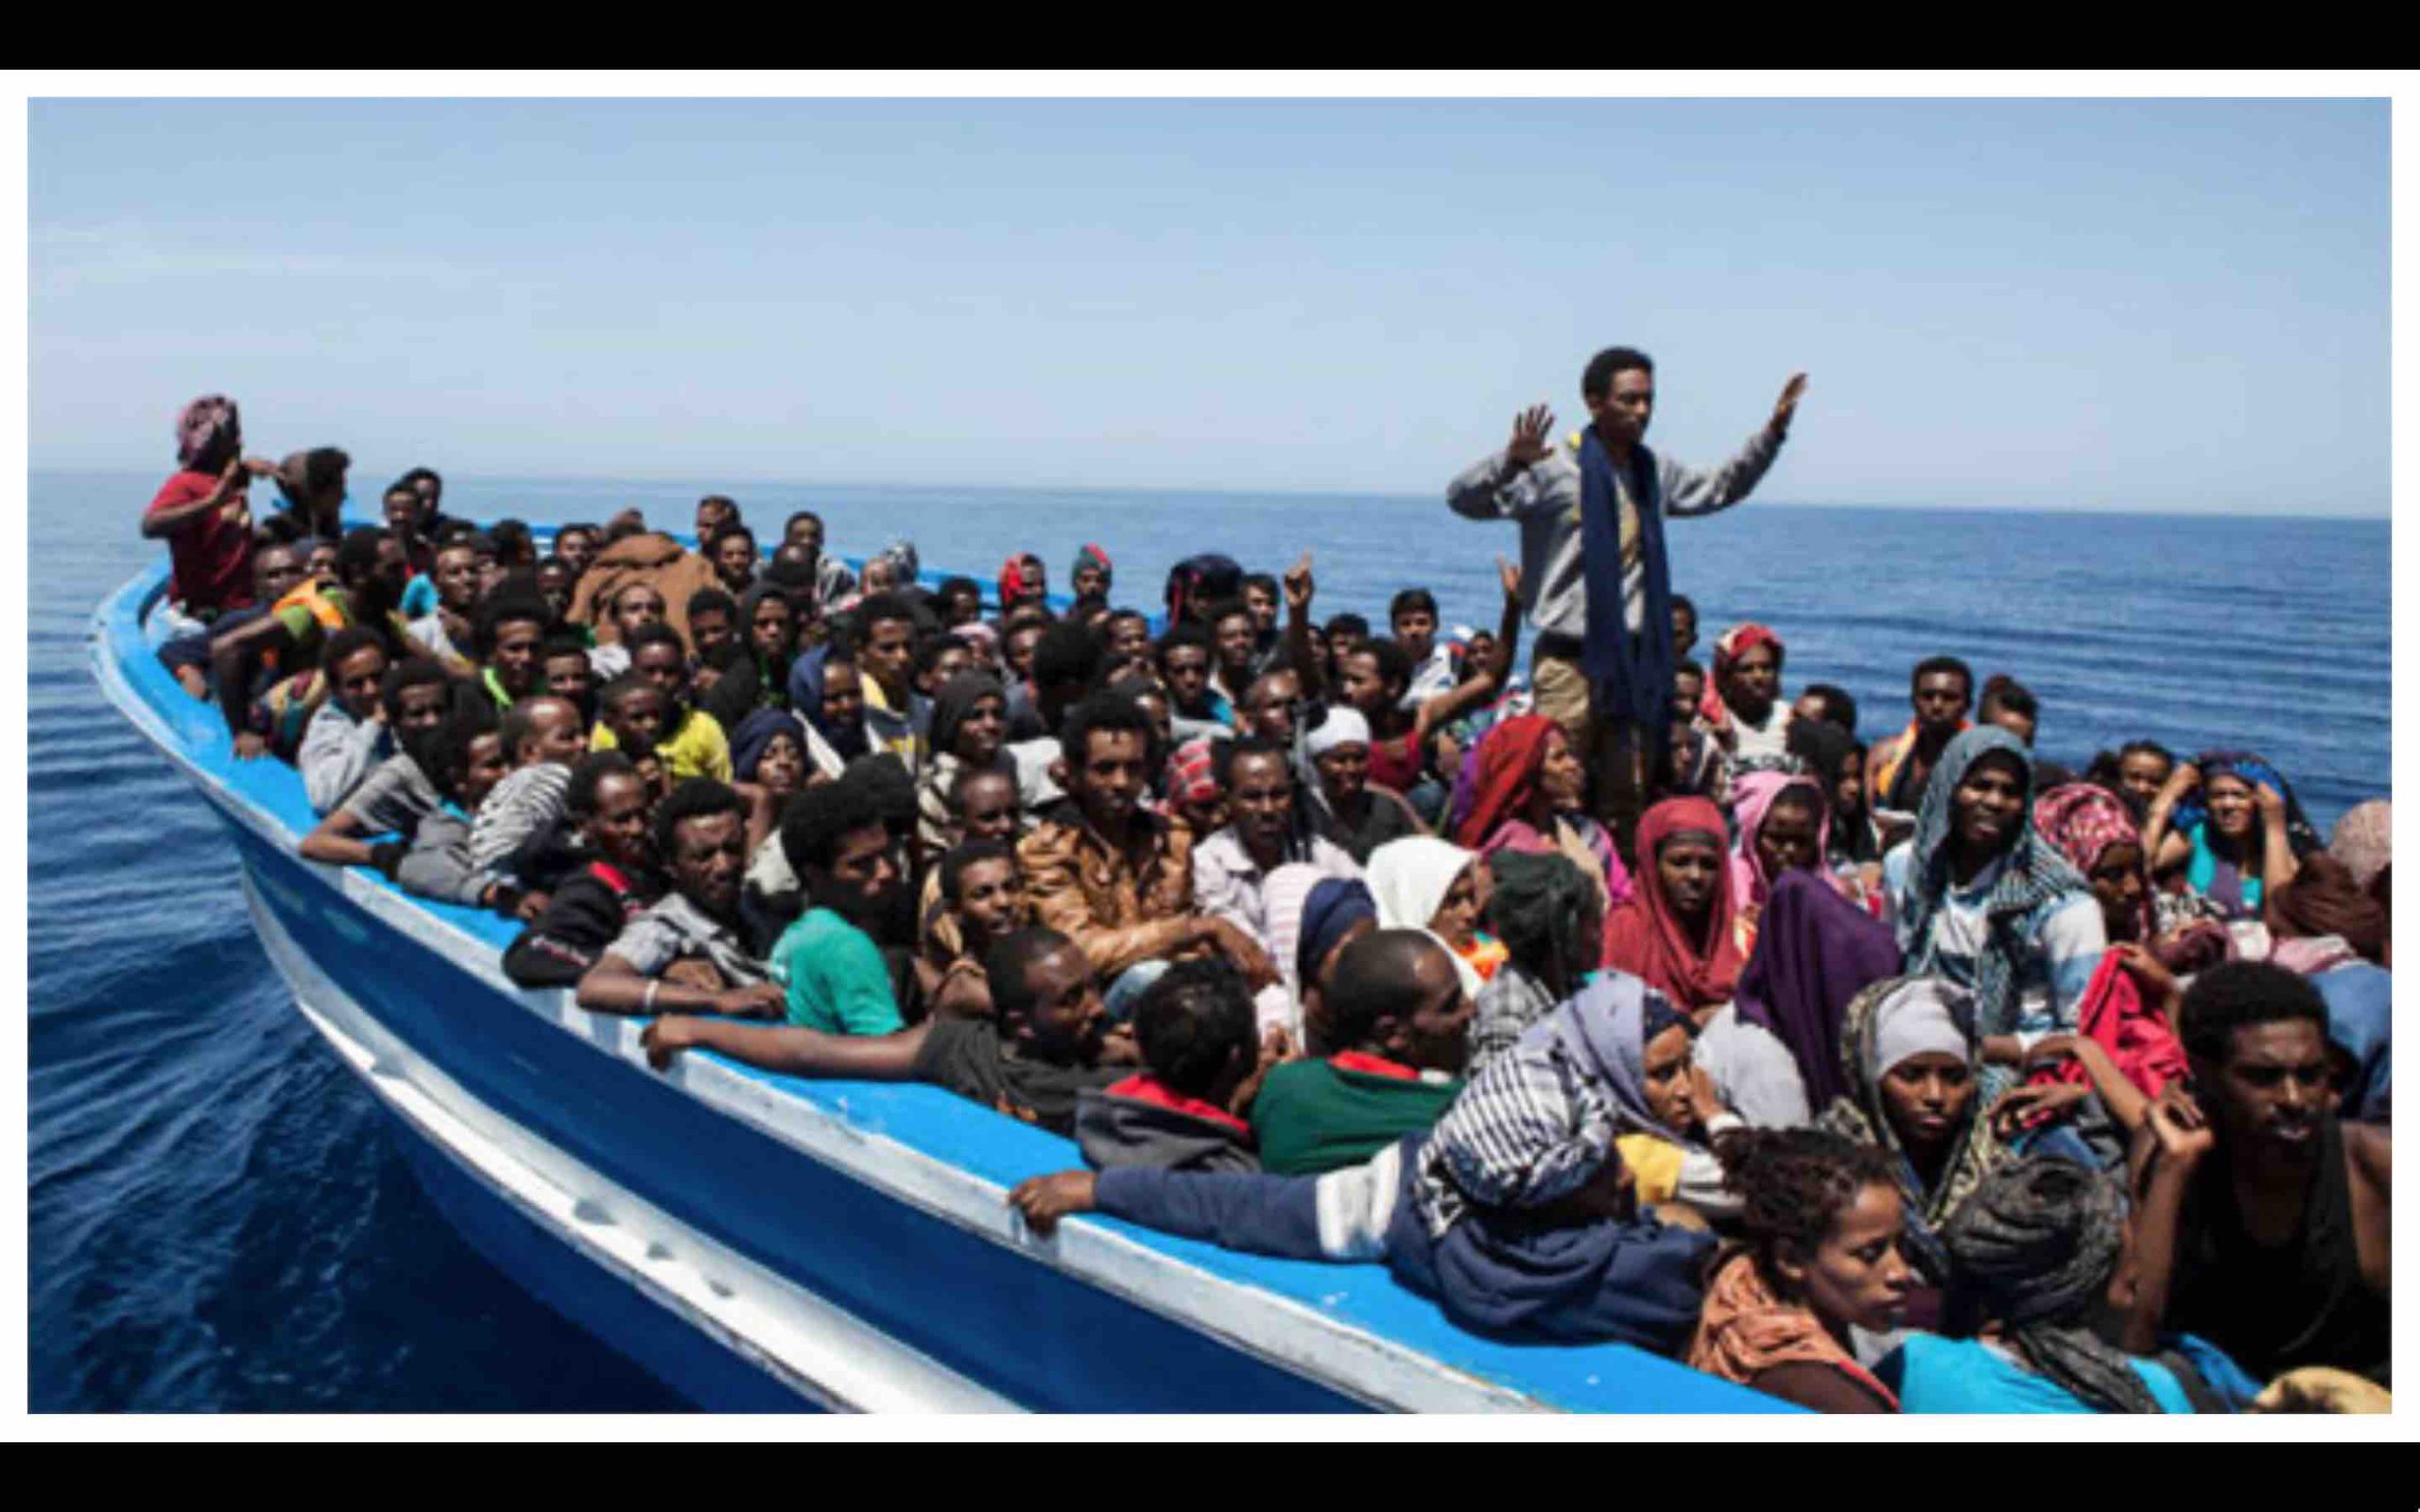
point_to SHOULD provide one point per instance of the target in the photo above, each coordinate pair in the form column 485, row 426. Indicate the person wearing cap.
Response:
column 1593, row 560
column 1090, row 576
column 1352, row 811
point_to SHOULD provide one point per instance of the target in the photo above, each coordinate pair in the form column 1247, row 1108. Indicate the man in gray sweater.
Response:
column 1594, row 573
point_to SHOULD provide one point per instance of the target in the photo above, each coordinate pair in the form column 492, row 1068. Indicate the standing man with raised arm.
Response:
column 1599, row 585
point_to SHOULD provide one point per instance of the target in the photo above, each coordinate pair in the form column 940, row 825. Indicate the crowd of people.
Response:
column 1633, row 998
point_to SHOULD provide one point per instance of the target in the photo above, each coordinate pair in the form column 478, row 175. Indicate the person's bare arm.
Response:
column 336, row 840
column 1299, row 588
column 2175, row 1138
column 2277, row 864
column 160, row 525
column 2160, row 842
column 2124, row 1100
column 1471, row 693
column 1508, row 628
column 2369, row 1151
column 788, row 1049
column 614, row 986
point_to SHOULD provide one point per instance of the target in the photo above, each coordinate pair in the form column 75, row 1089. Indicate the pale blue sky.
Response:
column 2139, row 305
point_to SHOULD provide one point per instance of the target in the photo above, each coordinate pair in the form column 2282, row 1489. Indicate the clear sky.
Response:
column 2112, row 304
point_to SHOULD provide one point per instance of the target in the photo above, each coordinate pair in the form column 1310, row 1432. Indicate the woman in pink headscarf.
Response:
column 1784, row 826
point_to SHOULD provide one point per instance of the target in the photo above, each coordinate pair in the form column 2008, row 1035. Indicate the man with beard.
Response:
column 689, row 952
column 369, row 582
column 831, row 960
column 1044, row 1045
column 2262, row 1221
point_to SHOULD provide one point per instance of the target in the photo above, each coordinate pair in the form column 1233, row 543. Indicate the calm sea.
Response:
column 219, row 1219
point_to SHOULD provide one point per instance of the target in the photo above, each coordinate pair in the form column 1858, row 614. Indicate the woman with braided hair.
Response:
column 2040, row 1252
column 1821, row 1222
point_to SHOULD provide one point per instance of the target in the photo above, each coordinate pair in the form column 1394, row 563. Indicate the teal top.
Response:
column 834, row 976
column 1931, row 1374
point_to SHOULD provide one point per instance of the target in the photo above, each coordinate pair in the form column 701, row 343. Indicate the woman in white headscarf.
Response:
column 1432, row 886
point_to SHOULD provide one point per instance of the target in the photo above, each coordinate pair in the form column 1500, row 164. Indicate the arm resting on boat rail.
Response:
column 616, row 986
column 788, row 1049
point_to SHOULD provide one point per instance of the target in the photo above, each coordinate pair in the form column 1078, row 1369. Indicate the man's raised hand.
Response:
column 1533, row 436
column 1786, row 406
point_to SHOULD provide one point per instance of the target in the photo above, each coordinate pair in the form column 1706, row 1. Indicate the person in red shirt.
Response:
column 204, row 514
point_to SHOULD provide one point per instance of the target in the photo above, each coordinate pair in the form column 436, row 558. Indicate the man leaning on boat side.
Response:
column 690, row 952
column 1047, row 1043
column 1594, row 568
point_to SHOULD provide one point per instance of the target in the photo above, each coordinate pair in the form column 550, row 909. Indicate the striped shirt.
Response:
column 525, row 803
column 2060, row 945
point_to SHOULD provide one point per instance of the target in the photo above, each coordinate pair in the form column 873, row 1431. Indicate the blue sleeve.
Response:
column 1264, row 1215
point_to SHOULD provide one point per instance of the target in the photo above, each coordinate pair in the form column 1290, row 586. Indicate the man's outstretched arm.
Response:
column 1687, row 490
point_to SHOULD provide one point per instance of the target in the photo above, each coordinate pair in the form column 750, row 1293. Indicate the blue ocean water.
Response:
column 219, row 1217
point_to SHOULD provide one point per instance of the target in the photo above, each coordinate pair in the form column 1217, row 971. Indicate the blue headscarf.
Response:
column 2219, row 877
column 756, row 734
column 2032, row 873
column 1331, row 909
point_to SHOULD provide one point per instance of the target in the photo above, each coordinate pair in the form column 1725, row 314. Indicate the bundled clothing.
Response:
column 653, row 559
column 1645, row 939
column 2363, row 840
column 2135, row 1034
column 2025, row 935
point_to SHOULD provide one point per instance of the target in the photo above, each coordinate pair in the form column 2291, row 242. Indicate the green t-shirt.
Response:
column 834, row 975
column 1313, row 1116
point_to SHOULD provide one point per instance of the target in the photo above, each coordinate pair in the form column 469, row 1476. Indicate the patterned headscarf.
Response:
column 2084, row 821
column 1192, row 776
column 1861, row 1115
column 207, row 431
column 2365, row 839
column 1089, row 555
column 2032, row 873
column 2255, row 770
column 2033, row 1246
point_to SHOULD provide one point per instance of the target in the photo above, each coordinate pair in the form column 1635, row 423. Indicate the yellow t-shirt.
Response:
column 697, row 748
column 1654, row 1164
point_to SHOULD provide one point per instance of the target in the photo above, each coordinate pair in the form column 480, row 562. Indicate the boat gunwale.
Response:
column 1199, row 1286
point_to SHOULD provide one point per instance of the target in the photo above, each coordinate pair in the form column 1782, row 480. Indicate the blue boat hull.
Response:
column 763, row 1243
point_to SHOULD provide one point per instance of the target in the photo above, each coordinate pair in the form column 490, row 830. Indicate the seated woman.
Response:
column 2244, row 832
column 1515, row 1214
column 1432, row 886
column 1784, row 827
column 2037, row 1252
column 1816, row 951
column 1910, row 1057
column 1675, row 930
column 1550, row 917
column 1745, row 709
column 1853, row 846
column 1636, row 1053
column 1525, row 796
column 1978, row 895
column 1819, row 1223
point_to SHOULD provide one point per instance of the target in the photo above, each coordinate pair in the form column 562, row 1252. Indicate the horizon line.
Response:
column 2385, row 515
